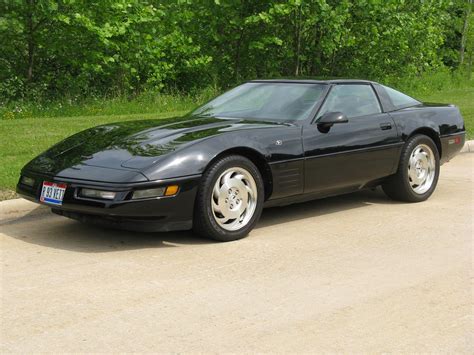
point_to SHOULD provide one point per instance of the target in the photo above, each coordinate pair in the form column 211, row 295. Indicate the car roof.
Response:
column 314, row 81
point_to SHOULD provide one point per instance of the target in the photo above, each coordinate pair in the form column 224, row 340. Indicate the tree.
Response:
column 78, row 48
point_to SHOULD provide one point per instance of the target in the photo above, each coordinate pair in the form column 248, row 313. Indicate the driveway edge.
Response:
column 468, row 147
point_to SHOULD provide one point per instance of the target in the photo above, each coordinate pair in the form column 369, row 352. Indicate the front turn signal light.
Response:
column 171, row 190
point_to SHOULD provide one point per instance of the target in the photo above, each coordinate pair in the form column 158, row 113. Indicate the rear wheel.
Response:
column 418, row 171
column 230, row 199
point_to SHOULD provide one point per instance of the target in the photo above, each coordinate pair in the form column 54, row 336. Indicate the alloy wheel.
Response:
column 234, row 199
column 421, row 169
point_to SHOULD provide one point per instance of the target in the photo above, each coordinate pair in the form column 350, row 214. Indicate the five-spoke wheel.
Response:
column 421, row 168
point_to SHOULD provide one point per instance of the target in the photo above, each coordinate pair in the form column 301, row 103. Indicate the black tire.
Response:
column 398, row 186
column 204, row 222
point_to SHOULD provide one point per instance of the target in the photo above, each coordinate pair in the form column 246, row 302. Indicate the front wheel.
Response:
column 230, row 199
column 418, row 171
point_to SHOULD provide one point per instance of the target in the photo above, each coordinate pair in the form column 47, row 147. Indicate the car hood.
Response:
column 135, row 145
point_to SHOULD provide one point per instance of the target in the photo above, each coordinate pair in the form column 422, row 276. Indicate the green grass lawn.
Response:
column 463, row 98
column 23, row 139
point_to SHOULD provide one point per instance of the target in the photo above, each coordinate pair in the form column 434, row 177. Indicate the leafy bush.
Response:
column 432, row 81
column 70, row 50
column 146, row 102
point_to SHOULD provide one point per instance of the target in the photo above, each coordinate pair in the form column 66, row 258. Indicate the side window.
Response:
column 353, row 100
column 400, row 100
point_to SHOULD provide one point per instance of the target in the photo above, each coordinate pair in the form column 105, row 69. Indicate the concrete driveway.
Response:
column 354, row 273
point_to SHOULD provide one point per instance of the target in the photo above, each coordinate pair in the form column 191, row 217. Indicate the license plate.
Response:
column 52, row 193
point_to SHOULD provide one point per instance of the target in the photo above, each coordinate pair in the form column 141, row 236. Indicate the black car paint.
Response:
column 297, row 160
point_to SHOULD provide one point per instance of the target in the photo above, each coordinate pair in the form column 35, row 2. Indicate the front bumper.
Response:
column 150, row 214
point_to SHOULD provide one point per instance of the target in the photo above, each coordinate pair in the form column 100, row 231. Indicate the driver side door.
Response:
column 350, row 155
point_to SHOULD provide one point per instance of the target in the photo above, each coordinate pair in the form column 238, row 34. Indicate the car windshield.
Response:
column 265, row 101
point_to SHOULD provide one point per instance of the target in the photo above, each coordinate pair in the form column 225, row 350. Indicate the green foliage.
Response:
column 75, row 49
column 92, row 47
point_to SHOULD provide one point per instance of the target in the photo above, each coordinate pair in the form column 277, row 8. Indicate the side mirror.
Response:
column 329, row 119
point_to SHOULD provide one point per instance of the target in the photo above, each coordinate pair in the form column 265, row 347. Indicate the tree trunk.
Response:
column 297, row 40
column 238, row 47
column 237, row 55
column 30, row 28
column 465, row 28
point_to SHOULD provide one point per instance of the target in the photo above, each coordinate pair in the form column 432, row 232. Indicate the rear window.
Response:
column 400, row 100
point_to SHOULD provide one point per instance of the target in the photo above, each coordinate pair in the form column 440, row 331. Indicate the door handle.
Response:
column 386, row 125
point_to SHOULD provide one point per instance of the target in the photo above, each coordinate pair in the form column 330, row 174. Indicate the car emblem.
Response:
column 278, row 142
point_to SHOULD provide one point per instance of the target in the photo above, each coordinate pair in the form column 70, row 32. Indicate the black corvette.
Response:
column 264, row 143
